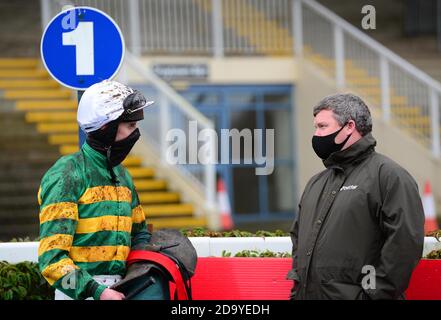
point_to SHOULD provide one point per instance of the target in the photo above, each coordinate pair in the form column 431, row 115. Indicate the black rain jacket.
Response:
column 359, row 232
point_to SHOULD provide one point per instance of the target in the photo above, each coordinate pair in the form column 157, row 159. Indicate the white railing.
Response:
column 407, row 96
column 192, row 27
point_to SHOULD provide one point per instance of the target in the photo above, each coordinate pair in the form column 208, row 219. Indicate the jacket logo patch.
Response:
column 344, row 188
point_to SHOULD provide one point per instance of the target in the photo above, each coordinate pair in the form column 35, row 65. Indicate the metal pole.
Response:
column 297, row 25
column 135, row 28
column 210, row 185
column 45, row 13
column 434, row 116
column 217, row 28
column 385, row 88
column 81, row 134
column 164, row 123
column 438, row 23
column 339, row 56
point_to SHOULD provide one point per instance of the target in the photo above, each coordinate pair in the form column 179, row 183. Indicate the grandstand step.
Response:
column 12, row 188
column 23, row 74
column 46, row 105
column 141, row 172
column 132, row 161
column 57, row 127
column 11, row 117
column 177, row 222
column 158, row 197
column 69, row 149
column 65, row 139
column 23, row 143
column 37, row 157
column 369, row 90
column 24, row 173
column 25, row 165
column 31, row 155
column 36, row 94
column 181, row 209
column 30, row 228
column 28, row 84
column 18, row 202
column 356, row 72
column 363, row 81
column 396, row 101
column 149, row 185
column 419, row 130
column 15, row 63
column 54, row 116
column 417, row 121
column 406, row 111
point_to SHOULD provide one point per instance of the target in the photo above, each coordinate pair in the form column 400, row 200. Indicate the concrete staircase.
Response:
column 410, row 117
column 422, row 51
column 38, row 121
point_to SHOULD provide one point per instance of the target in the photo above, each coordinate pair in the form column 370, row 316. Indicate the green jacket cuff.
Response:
column 99, row 290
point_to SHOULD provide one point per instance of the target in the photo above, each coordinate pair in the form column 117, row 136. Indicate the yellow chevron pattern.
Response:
column 52, row 109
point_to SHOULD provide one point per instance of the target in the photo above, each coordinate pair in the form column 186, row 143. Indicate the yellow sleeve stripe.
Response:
column 101, row 253
column 138, row 214
column 53, row 272
column 39, row 196
column 57, row 241
column 61, row 210
column 106, row 193
column 104, row 223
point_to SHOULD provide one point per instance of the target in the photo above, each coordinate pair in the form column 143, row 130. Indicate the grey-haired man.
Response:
column 359, row 232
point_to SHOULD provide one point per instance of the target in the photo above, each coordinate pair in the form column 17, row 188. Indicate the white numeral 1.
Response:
column 82, row 39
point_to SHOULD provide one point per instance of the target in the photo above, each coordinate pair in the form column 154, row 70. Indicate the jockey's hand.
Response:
column 109, row 294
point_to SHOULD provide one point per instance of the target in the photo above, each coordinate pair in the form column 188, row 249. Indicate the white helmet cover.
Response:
column 102, row 103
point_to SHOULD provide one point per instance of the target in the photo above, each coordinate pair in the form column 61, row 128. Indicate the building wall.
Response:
column 249, row 70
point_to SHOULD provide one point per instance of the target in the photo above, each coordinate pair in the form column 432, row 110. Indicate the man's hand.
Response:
column 109, row 294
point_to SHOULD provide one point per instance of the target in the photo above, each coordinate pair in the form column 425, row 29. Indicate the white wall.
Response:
column 16, row 252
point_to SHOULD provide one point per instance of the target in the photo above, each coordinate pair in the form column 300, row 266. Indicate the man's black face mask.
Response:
column 325, row 145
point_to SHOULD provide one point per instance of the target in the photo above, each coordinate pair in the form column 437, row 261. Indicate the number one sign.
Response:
column 82, row 46
column 82, row 39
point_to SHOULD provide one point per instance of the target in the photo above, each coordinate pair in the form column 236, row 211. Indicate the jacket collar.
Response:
column 98, row 158
column 354, row 154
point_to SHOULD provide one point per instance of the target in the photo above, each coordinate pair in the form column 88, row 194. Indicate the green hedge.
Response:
column 23, row 281
column 202, row 232
column 257, row 254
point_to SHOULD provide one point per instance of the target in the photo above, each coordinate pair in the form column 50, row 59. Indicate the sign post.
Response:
column 80, row 47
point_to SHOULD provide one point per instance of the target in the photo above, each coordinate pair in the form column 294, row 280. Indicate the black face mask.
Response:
column 119, row 150
column 324, row 146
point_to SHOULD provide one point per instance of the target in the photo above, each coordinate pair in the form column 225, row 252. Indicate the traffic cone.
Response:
column 430, row 223
column 224, row 206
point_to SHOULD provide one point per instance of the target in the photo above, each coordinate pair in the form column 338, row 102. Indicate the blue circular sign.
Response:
column 82, row 46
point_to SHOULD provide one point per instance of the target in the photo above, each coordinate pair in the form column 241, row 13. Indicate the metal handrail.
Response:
column 372, row 43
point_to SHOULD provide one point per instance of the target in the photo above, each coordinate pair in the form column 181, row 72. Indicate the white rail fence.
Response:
column 406, row 95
